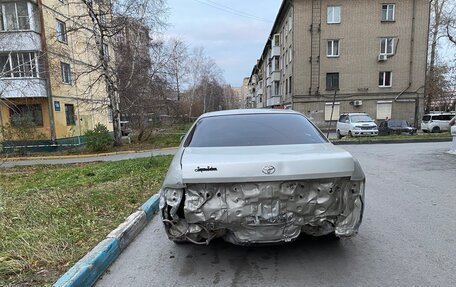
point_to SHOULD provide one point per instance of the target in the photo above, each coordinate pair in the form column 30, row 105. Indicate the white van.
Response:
column 355, row 125
column 436, row 123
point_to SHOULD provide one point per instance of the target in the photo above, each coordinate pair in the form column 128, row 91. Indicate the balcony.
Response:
column 22, row 88
column 20, row 41
column 275, row 51
column 274, row 101
column 275, row 76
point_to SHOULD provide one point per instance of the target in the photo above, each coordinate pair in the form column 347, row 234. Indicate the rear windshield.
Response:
column 254, row 130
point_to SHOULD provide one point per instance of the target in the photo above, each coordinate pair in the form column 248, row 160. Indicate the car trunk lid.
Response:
column 265, row 163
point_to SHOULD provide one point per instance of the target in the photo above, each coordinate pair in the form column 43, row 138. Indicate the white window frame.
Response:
column 23, row 59
column 390, row 15
column 336, row 113
column 387, row 46
column 331, row 14
column 61, row 31
column 383, row 85
column 64, row 65
column 384, row 109
column 330, row 48
column 4, row 26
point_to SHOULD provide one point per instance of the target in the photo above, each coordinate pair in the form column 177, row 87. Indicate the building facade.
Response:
column 328, row 57
column 47, row 74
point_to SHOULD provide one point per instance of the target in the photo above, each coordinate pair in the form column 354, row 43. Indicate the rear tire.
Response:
column 339, row 136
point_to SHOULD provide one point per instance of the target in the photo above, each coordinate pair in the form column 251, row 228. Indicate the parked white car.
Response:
column 436, row 123
column 355, row 125
column 260, row 176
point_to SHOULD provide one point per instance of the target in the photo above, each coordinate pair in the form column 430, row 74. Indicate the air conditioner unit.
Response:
column 382, row 57
column 357, row 103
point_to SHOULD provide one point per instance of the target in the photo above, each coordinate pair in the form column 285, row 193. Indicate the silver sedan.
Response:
column 260, row 176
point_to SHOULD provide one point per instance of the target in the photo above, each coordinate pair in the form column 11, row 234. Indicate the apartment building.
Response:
column 47, row 68
column 335, row 56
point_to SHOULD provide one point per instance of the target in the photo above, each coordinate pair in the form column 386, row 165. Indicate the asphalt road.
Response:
column 408, row 237
column 116, row 157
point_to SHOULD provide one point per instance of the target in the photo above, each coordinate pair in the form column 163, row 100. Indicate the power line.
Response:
column 231, row 10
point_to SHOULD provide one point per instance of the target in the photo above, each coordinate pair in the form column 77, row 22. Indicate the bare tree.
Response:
column 436, row 33
column 102, row 22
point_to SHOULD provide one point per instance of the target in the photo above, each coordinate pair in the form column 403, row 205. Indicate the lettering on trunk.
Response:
column 203, row 169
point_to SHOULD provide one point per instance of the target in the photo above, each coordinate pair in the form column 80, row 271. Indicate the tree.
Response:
column 436, row 33
column 103, row 21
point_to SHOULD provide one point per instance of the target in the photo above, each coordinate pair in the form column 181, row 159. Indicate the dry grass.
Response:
column 50, row 216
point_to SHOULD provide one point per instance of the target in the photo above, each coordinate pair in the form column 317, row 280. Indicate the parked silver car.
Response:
column 260, row 176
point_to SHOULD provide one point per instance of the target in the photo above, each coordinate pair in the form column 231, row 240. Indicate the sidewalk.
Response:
column 71, row 159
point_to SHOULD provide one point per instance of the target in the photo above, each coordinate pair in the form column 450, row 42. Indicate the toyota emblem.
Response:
column 268, row 170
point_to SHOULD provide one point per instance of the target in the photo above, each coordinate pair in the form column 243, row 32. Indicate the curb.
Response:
column 83, row 155
column 87, row 270
column 403, row 141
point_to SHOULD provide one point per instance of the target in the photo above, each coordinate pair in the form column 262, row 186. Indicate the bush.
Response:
column 99, row 139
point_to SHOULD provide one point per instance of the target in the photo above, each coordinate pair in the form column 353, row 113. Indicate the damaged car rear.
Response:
column 260, row 176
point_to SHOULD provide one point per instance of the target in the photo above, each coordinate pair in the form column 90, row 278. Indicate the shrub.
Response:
column 99, row 139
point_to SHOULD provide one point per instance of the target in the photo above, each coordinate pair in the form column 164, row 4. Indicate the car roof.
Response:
column 248, row 112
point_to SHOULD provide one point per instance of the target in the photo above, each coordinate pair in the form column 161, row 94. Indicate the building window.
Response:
column 276, row 88
column 333, row 48
column 21, row 115
column 61, row 32
column 290, row 54
column 387, row 46
column 70, row 115
column 19, row 65
column 384, row 109
column 290, row 85
column 106, row 52
column 14, row 16
column 329, row 110
column 66, row 72
column 276, row 40
column 333, row 15
column 290, row 23
column 332, row 81
column 385, row 79
column 388, row 12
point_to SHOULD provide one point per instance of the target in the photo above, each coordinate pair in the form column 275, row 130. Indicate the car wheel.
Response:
column 339, row 136
column 350, row 135
column 435, row 130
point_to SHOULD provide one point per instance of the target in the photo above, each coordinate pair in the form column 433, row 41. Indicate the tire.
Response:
column 350, row 135
column 339, row 136
column 435, row 130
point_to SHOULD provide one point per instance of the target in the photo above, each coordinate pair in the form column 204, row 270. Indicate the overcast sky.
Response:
column 233, row 39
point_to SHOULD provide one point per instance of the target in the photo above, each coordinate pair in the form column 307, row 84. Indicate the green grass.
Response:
column 51, row 216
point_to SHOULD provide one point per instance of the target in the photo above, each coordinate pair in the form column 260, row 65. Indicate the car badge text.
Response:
column 269, row 170
column 202, row 169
